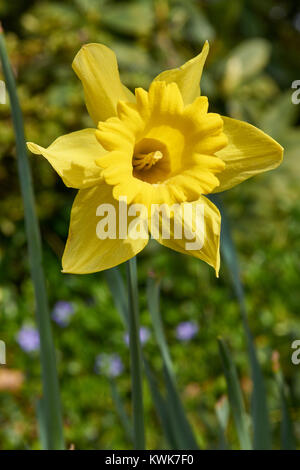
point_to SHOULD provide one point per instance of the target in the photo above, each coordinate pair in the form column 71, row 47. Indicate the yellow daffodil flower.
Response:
column 154, row 147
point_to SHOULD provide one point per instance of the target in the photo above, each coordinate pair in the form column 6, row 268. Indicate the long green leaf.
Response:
column 288, row 440
column 51, row 400
column 42, row 425
column 222, row 412
column 116, row 285
column 169, row 410
column 235, row 397
column 162, row 409
column 135, row 356
column 153, row 304
column 124, row 418
column 259, row 409
column 177, row 413
column 287, row 435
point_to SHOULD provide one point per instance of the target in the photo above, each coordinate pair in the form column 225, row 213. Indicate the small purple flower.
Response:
column 116, row 366
column 110, row 365
column 28, row 339
column 186, row 331
column 144, row 335
column 62, row 313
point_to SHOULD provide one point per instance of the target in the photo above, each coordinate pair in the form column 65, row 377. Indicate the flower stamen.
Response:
column 144, row 161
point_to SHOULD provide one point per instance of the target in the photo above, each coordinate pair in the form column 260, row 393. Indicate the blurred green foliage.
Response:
column 252, row 63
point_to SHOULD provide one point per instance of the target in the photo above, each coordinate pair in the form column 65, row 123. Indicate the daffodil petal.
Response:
column 200, row 239
column 249, row 152
column 187, row 76
column 96, row 66
column 85, row 252
column 73, row 157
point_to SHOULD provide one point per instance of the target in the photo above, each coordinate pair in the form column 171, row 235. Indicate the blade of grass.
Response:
column 174, row 403
column 117, row 288
column 116, row 285
column 222, row 412
column 121, row 409
column 235, row 397
column 287, row 435
column 51, row 400
column 288, row 440
column 135, row 356
column 162, row 409
column 153, row 304
column 177, row 414
column 181, row 434
column 259, row 408
column 42, row 425
column 118, row 291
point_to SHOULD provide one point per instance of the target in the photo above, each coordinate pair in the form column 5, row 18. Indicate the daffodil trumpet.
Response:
column 160, row 146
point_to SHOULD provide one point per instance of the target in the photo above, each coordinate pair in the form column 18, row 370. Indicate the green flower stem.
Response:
column 135, row 356
column 51, row 408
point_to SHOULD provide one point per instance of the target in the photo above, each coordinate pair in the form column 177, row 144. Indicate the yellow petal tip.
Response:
column 34, row 148
column 281, row 152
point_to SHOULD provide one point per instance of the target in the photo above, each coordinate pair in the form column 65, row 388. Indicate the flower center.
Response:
column 144, row 161
column 150, row 160
column 161, row 150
